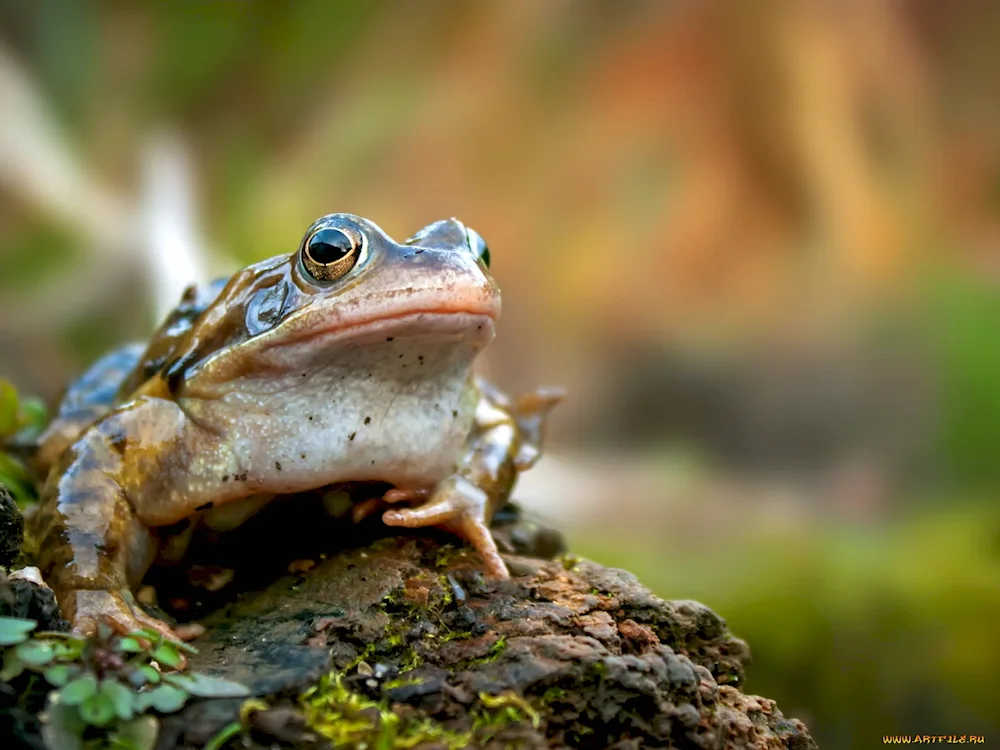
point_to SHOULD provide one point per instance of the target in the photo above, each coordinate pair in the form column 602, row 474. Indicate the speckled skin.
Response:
column 276, row 384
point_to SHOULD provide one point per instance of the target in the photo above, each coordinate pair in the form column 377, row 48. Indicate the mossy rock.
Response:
column 404, row 643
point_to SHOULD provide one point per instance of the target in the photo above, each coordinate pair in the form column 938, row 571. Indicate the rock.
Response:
column 411, row 645
column 11, row 529
column 22, row 594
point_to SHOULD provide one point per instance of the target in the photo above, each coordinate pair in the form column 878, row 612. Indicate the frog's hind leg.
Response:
column 93, row 546
column 457, row 506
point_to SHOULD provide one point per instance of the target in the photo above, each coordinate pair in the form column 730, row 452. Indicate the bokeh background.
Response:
column 757, row 241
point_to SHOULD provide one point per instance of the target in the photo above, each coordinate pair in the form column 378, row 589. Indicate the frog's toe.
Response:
column 458, row 506
column 113, row 609
column 360, row 511
column 476, row 533
column 397, row 495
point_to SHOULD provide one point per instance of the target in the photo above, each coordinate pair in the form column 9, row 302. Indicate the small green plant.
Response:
column 106, row 687
column 22, row 418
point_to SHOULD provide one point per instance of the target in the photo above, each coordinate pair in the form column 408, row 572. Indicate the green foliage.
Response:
column 961, row 319
column 106, row 686
column 224, row 735
column 21, row 418
column 14, row 630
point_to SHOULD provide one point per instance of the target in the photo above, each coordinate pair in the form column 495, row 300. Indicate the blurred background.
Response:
column 759, row 243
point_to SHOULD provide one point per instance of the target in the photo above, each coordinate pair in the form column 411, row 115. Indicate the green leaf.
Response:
column 121, row 696
column 165, row 699
column 187, row 648
column 16, row 477
column 138, row 734
column 130, row 645
column 33, row 416
column 148, row 634
column 15, row 630
column 69, row 650
column 166, row 653
column 60, row 674
column 204, row 686
column 97, row 710
column 225, row 734
column 63, row 729
column 150, row 673
column 35, row 653
column 78, row 690
column 136, row 679
column 8, row 408
column 12, row 667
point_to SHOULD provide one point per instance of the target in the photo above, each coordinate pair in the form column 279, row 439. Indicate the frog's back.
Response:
column 97, row 389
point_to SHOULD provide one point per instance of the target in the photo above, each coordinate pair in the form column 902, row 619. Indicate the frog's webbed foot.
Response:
column 115, row 609
column 455, row 505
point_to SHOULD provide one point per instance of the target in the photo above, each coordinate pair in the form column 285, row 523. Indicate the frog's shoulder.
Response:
column 169, row 337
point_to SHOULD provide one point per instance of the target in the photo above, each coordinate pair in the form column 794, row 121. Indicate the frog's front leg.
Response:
column 506, row 439
column 94, row 547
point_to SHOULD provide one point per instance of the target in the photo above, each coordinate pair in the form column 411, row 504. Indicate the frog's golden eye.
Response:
column 329, row 253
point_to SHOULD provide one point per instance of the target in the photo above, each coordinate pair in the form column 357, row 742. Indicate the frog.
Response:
column 349, row 360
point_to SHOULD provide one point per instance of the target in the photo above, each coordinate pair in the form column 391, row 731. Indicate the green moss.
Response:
column 411, row 660
column 568, row 561
column 552, row 695
column 367, row 652
column 349, row 719
column 445, row 555
column 341, row 715
column 402, row 613
column 402, row 682
column 495, row 650
column 504, row 709
column 456, row 635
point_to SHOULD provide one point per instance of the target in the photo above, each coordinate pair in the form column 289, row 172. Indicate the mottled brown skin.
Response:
column 282, row 382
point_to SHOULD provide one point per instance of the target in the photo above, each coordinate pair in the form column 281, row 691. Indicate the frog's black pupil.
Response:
column 329, row 246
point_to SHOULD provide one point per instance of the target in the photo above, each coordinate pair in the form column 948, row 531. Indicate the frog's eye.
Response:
column 478, row 246
column 329, row 253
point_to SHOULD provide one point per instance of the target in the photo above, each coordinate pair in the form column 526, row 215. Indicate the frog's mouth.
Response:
column 473, row 320
column 475, row 328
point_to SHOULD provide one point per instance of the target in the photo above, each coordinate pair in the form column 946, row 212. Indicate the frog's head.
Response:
column 348, row 290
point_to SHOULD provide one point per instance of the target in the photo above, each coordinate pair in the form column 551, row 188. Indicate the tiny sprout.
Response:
column 106, row 683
